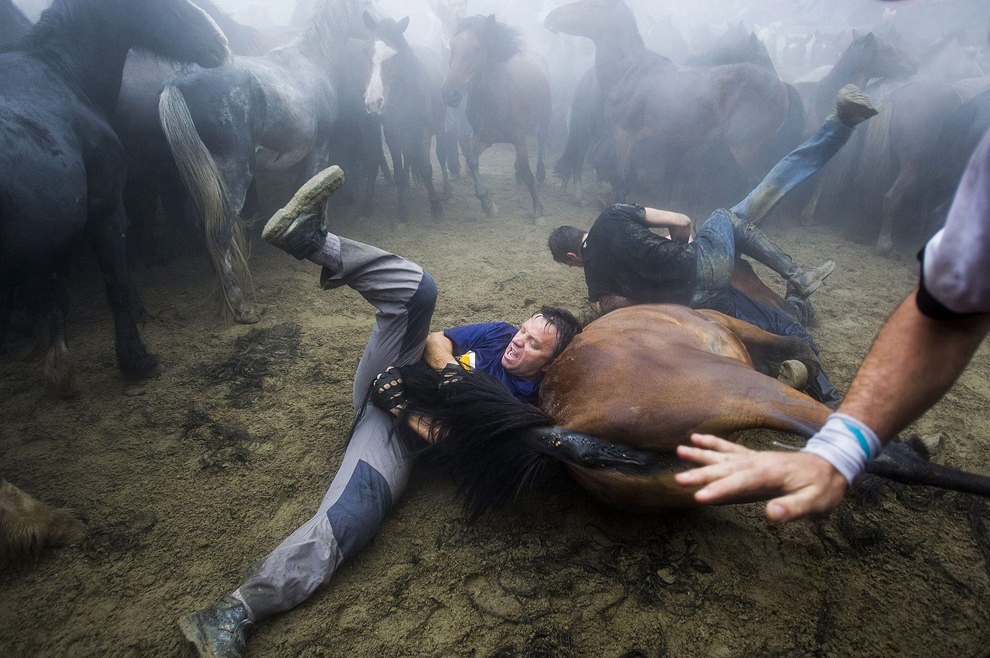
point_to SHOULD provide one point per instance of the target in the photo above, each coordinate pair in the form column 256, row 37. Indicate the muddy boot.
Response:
column 809, row 279
column 753, row 242
column 853, row 107
column 218, row 631
column 298, row 227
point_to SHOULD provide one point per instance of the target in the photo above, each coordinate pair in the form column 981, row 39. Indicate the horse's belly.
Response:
column 634, row 492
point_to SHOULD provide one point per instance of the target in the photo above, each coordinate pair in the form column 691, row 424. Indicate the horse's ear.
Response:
column 402, row 25
column 369, row 22
column 870, row 39
column 490, row 20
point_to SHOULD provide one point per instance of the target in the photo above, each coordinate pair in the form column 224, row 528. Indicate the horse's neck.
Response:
column 615, row 56
column 843, row 73
column 92, row 64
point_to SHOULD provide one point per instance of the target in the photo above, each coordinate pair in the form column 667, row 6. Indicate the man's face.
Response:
column 528, row 354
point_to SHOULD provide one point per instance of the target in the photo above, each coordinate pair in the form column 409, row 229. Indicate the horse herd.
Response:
column 110, row 107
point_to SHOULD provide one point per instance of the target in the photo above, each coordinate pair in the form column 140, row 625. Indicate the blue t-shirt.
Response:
column 488, row 341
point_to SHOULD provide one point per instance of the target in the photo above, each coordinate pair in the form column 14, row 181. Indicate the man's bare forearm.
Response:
column 913, row 362
column 439, row 351
column 656, row 218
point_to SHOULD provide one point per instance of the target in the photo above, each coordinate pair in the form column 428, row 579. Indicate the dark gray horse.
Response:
column 13, row 23
column 404, row 88
column 275, row 111
column 61, row 165
column 151, row 171
column 508, row 96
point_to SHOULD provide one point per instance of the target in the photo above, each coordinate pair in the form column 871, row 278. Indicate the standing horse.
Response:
column 617, row 402
column 61, row 165
column 508, row 95
column 405, row 90
column 151, row 171
column 275, row 111
column 651, row 102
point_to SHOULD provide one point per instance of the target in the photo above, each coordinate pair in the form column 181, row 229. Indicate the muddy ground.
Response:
column 186, row 480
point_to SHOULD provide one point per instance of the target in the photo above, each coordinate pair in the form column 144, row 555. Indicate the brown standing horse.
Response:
column 648, row 99
column 614, row 406
column 508, row 96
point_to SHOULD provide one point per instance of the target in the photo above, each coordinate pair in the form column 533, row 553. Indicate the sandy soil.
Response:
column 187, row 479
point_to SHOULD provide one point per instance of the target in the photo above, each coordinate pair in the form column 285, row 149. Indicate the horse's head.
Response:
column 388, row 42
column 870, row 57
column 479, row 42
column 176, row 29
column 586, row 18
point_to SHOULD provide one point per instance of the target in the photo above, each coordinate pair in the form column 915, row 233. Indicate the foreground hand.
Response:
column 799, row 483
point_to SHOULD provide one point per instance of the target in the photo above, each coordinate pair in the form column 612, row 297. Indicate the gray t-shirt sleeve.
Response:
column 956, row 261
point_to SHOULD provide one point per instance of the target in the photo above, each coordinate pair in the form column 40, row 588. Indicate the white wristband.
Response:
column 845, row 443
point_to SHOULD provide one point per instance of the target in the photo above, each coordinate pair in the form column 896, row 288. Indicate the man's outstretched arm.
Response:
column 913, row 362
column 677, row 223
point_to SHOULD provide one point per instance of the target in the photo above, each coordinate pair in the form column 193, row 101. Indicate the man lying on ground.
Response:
column 375, row 466
column 622, row 257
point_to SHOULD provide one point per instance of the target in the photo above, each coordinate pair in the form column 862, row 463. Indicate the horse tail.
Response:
column 202, row 179
column 878, row 163
column 790, row 133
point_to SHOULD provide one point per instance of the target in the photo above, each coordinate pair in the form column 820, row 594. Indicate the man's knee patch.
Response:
column 420, row 311
column 358, row 513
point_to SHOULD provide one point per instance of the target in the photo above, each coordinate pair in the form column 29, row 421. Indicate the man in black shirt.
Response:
column 622, row 257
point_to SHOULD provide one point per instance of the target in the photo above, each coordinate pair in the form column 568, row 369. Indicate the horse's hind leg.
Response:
column 59, row 370
column 473, row 153
column 541, row 152
column 399, row 162
column 523, row 171
column 425, row 168
column 767, row 350
column 448, row 190
column 106, row 236
column 893, row 203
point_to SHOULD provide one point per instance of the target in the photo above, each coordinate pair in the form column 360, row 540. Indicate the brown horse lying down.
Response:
column 28, row 525
column 618, row 401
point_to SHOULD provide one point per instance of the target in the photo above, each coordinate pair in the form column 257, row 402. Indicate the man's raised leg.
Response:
column 374, row 470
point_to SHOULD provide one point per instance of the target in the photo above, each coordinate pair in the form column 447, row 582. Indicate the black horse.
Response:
column 13, row 23
column 151, row 171
column 61, row 165
column 404, row 88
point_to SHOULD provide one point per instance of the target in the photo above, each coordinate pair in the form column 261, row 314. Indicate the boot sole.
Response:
column 316, row 190
column 818, row 282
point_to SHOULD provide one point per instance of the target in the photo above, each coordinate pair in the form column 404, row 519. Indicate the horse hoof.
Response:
column 436, row 211
column 247, row 316
column 539, row 220
column 793, row 373
column 490, row 209
column 138, row 365
column 885, row 247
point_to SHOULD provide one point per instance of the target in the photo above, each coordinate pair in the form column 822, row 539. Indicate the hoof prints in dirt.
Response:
column 120, row 536
column 257, row 355
column 225, row 445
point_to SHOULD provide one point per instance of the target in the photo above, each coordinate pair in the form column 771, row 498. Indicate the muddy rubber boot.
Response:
column 298, row 228
column 853, row 107
column 809, row 279
column 218, row 631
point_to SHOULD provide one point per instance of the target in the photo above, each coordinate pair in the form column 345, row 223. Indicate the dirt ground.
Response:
column 187, row 479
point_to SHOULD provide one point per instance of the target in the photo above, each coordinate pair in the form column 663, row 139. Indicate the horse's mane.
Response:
column 242, row 39
column 13, row 23
column 328, row 29
column 499, row 40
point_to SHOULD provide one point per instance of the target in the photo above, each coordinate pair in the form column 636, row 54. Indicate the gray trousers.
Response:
column 375, row 469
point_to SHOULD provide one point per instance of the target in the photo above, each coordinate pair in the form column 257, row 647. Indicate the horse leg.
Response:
column 59, row 369
column 767, row 350
column 448, row 190
column 541, row 151
column 472, row 155
column 105, row 234
column 425, row 168
column 523, row 171
column 623, row 164
column 401, row 174
column 893, row 202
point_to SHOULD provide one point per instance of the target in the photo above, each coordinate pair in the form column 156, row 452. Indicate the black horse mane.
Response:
column 499, row 40
column 242, row 39
column 328, row 29
column 481, row 435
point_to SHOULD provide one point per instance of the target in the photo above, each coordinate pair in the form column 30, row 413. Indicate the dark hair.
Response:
column 564, row 240
column 564, row 322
